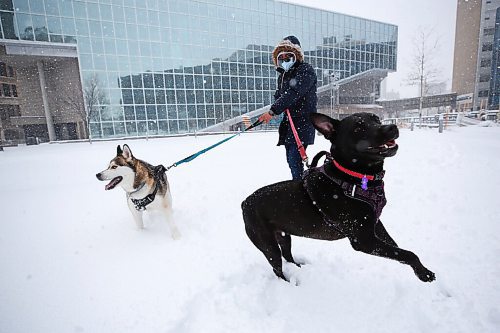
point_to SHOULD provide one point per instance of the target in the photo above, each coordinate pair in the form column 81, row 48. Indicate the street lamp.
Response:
column 334, row 77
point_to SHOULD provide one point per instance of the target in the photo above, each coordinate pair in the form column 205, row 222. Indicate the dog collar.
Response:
column 364, row 177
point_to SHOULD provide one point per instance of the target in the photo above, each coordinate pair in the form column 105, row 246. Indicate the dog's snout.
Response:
column 98, row 176
column 390, row 131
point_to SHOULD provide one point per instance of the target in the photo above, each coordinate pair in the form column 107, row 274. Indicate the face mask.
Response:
column 286, row 60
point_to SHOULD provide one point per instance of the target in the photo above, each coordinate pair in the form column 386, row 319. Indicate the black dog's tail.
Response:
column 319, row 155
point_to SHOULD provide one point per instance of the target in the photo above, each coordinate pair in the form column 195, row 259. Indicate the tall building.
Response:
column 474, row 67
column 494, row 95
column 155, row 67
column 466, row 51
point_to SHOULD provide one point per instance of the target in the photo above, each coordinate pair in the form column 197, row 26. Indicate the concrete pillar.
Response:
column 48, row 116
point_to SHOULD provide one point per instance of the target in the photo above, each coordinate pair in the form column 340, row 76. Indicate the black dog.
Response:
column 343, row 198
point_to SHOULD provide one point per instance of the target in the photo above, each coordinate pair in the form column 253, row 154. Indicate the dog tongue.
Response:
column 113, row 183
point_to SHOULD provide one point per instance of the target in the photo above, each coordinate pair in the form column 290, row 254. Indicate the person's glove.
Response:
column 266, row 117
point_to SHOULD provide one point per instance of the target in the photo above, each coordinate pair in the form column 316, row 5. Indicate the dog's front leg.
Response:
column 366, row 241
column 136, row 214
column 382, row 233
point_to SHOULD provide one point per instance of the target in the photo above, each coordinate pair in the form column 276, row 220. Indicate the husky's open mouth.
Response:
column 115, row 181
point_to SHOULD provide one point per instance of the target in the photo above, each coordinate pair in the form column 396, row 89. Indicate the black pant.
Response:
column 294, row 160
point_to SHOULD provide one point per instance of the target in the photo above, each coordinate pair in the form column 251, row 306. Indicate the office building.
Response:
column 159, row 67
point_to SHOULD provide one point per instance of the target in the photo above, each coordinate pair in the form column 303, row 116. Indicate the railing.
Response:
column 427, row 121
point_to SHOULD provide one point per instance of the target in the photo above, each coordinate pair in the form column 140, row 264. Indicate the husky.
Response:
column 146, row 186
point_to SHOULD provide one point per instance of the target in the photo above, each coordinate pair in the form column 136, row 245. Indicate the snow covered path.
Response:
column 72, row 261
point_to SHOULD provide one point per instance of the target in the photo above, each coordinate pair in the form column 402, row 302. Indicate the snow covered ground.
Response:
column 71, row 259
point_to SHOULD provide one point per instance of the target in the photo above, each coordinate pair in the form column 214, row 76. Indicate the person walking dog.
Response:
column 297, row 93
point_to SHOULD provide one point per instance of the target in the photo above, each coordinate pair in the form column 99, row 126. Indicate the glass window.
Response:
column 80, row 9
column 3, row 69
column 22, row 6
column 66, row 7
column 37, row 6
column 68, row 26
column 8, row 26
column 162, row 111
column 52, row 7
column 140, row 112
column 138, row 96
column 118, row 15
column 82, row 28
column 129, row 112
column 120, row 30
column 6, row 90
column 25, row 26
column 127, row 97
column 151, row 112
column 160, row 96
column 95, row 28
column 150, row 96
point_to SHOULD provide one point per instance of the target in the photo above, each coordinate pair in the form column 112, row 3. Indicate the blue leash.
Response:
column 195, row 155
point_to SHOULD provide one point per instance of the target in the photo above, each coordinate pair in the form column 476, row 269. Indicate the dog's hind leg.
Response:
column 285, row 243
column 174, row 232
column 263, row 238
column 167, row 209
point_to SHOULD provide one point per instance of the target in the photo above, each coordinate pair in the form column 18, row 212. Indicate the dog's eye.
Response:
column 114, row 167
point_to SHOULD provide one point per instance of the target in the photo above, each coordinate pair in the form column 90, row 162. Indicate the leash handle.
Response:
column 300, row 146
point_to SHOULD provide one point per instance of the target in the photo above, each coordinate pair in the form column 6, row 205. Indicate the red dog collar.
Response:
column 352, row 173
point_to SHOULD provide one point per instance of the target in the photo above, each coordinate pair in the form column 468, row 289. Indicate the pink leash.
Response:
column 300, row 146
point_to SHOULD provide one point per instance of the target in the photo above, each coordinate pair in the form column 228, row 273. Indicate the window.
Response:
column 487, row 47
column 483, row 93
column 485, row 62
column 6, row 90
column 484, row 78
column 489, row 31
column 3, row 69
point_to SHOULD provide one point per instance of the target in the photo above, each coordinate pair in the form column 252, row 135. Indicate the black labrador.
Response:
column 343, row 198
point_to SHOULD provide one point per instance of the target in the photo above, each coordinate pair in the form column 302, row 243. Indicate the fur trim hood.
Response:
column 287, row 46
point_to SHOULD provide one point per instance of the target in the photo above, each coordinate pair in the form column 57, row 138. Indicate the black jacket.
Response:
column 296, row 92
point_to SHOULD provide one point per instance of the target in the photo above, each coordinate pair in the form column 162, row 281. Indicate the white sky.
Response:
column 440, row 15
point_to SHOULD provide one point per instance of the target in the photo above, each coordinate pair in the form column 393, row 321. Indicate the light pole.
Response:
column 334, row 77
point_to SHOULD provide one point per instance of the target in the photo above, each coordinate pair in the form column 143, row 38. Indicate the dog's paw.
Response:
column 425, row 275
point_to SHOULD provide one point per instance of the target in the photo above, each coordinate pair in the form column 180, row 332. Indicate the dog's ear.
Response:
column 119, row 150
column 127, row 153
column 324, row 124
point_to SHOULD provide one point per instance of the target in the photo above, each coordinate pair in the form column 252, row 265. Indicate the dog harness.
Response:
column 372, row 195
column 140, row 204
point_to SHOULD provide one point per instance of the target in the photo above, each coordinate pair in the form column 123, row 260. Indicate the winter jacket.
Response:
column 296, row 92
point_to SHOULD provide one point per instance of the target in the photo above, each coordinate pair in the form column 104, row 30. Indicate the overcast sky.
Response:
column 439, row 15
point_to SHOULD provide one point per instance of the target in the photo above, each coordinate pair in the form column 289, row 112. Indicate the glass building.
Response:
column 156, row 67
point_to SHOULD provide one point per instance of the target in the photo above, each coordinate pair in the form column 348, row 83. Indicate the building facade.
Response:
column 156, row 67
column 475, row 67
column 494, row 94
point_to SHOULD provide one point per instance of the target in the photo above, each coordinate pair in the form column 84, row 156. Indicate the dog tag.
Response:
column 364, row 183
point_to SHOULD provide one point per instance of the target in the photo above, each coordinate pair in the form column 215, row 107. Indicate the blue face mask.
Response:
column 286, row 60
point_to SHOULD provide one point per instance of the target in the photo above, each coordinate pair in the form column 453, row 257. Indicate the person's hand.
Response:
column 265, row 118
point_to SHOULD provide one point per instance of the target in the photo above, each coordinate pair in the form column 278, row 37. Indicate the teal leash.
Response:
column 195, row 155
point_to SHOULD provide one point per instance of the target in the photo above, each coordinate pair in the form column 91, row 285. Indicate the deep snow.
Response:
column 72, row 260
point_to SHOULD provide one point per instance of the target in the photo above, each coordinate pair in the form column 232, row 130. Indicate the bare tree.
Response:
column 424, row 72
column 93, row 96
